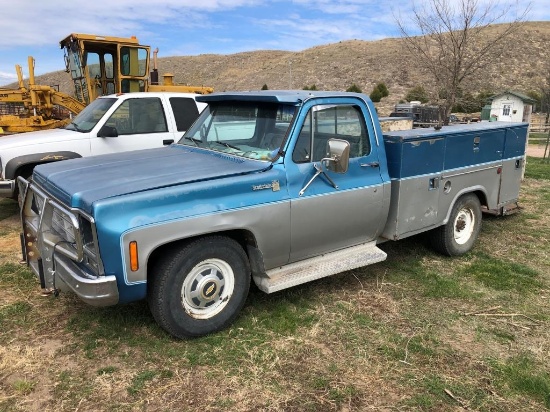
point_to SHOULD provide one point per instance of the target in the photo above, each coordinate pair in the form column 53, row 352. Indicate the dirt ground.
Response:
column 536, row 151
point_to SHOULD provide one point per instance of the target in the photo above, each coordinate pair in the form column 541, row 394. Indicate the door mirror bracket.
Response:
column 338, row 162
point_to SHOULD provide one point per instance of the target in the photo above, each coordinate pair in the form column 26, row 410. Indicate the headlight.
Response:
column 60, row 230
column 64, row 226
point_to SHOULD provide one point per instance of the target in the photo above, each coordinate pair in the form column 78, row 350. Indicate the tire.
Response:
column 459, row 234
column 199, row 289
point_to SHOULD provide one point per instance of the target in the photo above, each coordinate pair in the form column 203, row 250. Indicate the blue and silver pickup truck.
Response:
column 275, row 187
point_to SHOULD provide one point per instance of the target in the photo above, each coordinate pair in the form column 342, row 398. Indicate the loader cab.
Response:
column 101, row 65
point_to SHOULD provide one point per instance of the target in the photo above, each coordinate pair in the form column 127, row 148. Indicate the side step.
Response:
column 319, row 267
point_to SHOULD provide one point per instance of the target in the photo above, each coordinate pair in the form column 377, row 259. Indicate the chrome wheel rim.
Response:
column 207, row 288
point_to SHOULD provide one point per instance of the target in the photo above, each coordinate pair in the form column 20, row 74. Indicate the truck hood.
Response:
column 20, row 140
column 81, row 182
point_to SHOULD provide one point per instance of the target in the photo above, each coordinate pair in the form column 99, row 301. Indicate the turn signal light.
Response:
column 134, row 262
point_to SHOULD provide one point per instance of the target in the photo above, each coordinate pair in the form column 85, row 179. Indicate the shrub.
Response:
column 354, row 89
column 417, row 93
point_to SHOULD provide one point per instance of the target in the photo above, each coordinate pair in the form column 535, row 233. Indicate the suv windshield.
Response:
column 254, row 130
column 88, row 118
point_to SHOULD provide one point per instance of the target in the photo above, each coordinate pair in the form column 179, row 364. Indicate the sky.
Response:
column 193, row 27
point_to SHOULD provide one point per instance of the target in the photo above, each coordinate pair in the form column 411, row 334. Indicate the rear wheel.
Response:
column 201, row 288
column 459, row 234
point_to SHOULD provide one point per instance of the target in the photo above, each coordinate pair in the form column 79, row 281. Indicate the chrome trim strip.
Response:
column 469, row 171
column 372, row 123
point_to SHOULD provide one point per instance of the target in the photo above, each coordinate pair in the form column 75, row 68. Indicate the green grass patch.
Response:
column 433, row 392
column 282, row 313
column 14, row 313
column 109, row 328
column 70, row 387
column 522, row 375
column 17, row 276
column 503, row 336
column 537, row 168
column 502, row 275
column 8, row 207
column 444, row 286
column 24, row 387
column 405, row 265
column 538, row 136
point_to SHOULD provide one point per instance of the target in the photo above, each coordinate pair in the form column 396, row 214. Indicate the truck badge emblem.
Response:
column 274, row 185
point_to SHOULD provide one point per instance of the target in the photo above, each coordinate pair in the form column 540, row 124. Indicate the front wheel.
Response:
column 201, row 288
column 459, row 234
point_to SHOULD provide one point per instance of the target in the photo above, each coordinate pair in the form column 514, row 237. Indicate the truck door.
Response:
column 325, row 218
column 140, row 123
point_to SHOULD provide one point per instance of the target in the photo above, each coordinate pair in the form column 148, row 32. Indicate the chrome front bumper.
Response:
column 56, row 265
column 100, row 291
column 7, row 188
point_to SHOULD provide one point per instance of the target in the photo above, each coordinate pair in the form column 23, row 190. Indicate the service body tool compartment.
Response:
column 430, row 169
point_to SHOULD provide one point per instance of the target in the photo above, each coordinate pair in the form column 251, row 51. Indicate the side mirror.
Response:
column 338, row 162
column 338, row 150
column 107, row 131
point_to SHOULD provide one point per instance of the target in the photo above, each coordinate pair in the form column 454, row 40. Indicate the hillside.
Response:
column 522, row 66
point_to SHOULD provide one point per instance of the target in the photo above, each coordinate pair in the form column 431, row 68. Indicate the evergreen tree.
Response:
column 383, row 89
column 354, row 89
column 417, row 94
column 376, row 95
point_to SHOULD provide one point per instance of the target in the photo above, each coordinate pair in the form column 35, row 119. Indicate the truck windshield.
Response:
column 249, row 129
column 88, row 118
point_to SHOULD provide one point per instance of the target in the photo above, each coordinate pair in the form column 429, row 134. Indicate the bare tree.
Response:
column 456, row 41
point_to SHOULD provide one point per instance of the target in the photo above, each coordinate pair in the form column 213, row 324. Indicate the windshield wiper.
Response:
column 75, row 126
column 226, row 144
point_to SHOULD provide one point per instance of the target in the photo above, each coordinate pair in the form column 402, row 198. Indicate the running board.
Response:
column 319, row 267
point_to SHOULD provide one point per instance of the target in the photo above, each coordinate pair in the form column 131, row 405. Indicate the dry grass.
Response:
column 417, row 332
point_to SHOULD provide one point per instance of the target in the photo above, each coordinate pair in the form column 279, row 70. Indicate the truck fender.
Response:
column 479, row 191
column 35, row 159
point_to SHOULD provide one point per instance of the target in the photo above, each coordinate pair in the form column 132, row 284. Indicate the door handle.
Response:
column 166, row 142
column 371, row 164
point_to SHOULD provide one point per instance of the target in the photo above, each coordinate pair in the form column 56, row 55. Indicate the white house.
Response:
column 510, row 106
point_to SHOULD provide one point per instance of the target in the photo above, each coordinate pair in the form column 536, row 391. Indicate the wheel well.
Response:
column 482, row 197
column 244, row 237
column 25, row 170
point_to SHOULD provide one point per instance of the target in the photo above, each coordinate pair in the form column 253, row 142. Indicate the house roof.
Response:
column 523, row 97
